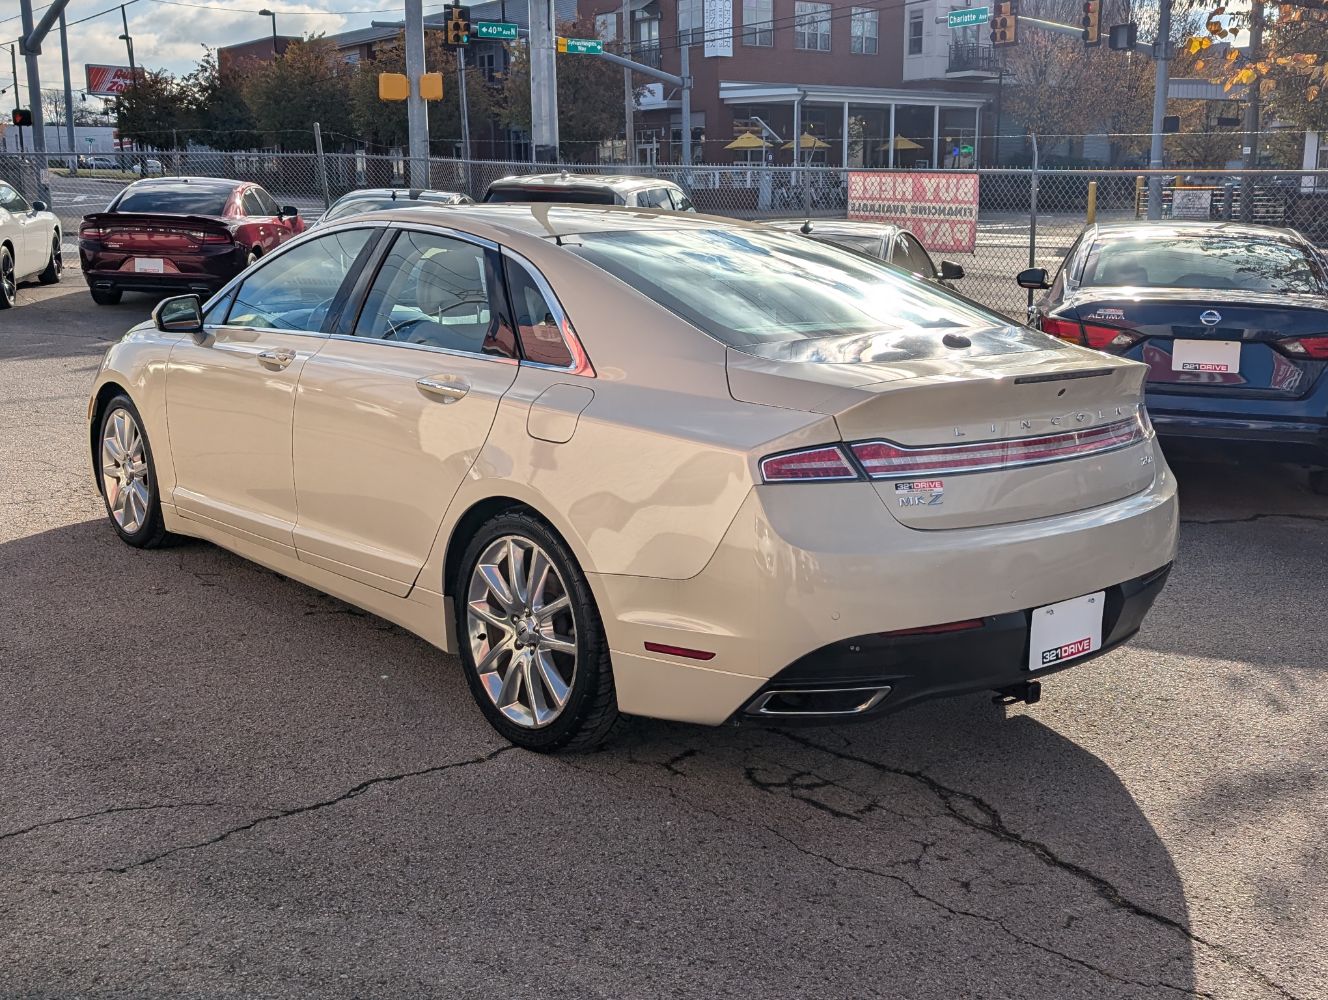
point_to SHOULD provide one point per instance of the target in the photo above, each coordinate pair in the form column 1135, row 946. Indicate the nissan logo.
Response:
column 1210, row 317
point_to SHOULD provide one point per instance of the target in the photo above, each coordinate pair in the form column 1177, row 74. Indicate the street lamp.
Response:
column 272, row 14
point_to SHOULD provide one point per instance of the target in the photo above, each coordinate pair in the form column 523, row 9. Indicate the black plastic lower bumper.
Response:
column 923, row 666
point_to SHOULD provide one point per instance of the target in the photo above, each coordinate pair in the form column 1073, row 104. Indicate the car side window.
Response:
column 435, row 291
column 11, row 200
column 249, row 203
column 265, row 202
column 681, row 203
column 294, row 290
column 536, row 321
column 908, row 253
column 654, row 198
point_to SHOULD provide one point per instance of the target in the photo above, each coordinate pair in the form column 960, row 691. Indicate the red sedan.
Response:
column 180, row 234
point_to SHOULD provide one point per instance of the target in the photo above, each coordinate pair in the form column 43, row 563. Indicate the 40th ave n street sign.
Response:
column 967, row 17
column 500, row 30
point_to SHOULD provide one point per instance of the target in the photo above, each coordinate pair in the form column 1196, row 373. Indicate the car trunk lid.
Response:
column 153, row 234
column 1212, row 343
column 970, row 442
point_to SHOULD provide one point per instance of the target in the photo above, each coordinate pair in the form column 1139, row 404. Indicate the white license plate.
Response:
column 1066, row 631
column 1221, row 356
column 149, row 265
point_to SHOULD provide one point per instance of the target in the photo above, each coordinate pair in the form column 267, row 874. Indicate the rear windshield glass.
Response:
column 175, row 201
column 564, row 196
column 360, row 205
column 783, row 296
column 1203, row 262
column 870, row 245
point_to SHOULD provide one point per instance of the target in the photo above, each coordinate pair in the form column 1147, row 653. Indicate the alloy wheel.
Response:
column 58, row 255
column 8, row 283
column 521, row 631
column 124, row 471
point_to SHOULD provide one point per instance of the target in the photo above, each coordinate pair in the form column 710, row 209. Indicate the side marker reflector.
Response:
column 690, row 654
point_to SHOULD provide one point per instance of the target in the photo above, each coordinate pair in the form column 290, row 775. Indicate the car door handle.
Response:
column 278, row 358
column 449, row 388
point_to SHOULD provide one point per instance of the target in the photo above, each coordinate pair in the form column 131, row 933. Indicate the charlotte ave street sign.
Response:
column 501, row 30
column 967, row 17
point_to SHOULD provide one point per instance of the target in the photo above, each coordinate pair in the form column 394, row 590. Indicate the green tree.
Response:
column 222, row 118
column 590, row 94
column 156, row 111
column 309, row 83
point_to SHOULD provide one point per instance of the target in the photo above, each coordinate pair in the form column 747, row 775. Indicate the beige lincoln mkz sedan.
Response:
column 627, row 462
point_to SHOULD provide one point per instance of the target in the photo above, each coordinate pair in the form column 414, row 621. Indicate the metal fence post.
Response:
column 322, row 166
column 1032, row 213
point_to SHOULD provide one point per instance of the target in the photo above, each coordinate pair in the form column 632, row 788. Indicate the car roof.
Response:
column 546, row 220
column 203, row 183
column 398, row 194
column 1178, row 227
column 620, row 183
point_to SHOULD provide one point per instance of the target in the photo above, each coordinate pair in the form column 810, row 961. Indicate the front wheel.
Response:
column 532, row 644
column 107, row 298
column 8, row 279
column 55, row 266
column 128, row 478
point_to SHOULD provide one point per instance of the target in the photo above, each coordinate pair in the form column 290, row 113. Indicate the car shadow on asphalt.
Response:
column 947, row 851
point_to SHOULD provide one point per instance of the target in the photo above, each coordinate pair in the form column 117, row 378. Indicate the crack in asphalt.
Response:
column 1250, row 518
column 280, row 814
column 996, row 827
column 109, row 811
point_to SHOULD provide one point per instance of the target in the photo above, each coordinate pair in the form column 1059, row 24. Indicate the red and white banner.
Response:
column 940, row 208
column 109, row 81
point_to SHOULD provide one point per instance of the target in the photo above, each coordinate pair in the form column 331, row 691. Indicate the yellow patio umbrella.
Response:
column 808, row 141
column 748, row 140
column 899, row 142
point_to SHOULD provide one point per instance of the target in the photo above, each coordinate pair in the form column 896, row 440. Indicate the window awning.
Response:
column 742, row 92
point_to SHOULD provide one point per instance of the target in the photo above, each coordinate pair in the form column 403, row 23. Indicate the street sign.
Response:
column 500, row 30
column 967, row 17
column 581, row 46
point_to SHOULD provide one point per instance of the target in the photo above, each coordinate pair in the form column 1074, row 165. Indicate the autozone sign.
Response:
column 108, row 81
column 941, row 208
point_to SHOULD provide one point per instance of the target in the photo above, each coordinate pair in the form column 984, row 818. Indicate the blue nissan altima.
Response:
column 1231, row 319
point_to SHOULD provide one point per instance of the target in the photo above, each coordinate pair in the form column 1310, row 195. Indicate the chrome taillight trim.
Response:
column 991, row 456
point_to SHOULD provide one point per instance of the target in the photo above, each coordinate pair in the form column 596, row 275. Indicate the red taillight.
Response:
column 212, row 237
column 1108, row 338
column 825, row 463
column 884, row 460
column 1066, row 329
column 89, row 232
column 1310, row 348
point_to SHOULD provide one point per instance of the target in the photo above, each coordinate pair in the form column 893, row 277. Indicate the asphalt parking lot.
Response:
column 219, row 783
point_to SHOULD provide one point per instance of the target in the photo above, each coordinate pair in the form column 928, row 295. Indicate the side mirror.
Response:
column 1033, row 278
column 289, row 212
column 950, row 271
column 39, row 206
column 179, row 314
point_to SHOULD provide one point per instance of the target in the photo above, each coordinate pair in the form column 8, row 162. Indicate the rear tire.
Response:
column 1319, row 481
column 105, row 298
column 8, row 279
column 55, row 266
column 532, row 644
column 127, row 476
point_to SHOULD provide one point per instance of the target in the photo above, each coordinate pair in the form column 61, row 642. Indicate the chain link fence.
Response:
column 1025, row 217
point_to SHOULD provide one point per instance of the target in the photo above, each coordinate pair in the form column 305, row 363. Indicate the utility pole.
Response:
column 31, row 46
column 417, row 113
column 129, row 48
column 69, row 89
column 629, row 94
column 1250, row 152
column 18, row 101
column 543, row 82
column 1161, row 82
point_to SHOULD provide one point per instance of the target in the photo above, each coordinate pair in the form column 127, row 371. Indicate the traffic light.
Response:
column 458, row 25
column 22, row 117
column 1122, row 37
column 1005, row 23
column 1092, row 22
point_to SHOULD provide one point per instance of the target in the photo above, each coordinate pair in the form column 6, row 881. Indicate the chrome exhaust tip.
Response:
column 817, row 702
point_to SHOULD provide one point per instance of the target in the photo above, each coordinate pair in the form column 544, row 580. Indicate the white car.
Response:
column 148, row 168
column 29, row 244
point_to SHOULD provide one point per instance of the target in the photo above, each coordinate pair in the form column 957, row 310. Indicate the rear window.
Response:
column 174, row 201
column 361, row 205
column 785, row 297
column 563, row 196
column 1228, row 263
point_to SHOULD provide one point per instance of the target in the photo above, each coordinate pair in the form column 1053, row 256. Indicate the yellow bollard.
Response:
column 1092, row 202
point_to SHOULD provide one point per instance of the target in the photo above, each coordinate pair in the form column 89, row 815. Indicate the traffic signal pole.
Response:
column 543, row 83
column 417, row 112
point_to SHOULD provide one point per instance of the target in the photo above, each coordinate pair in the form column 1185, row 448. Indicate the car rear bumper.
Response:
column 179, row 284
column 205, row 272
column 1290, row 439
column 806, row 571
